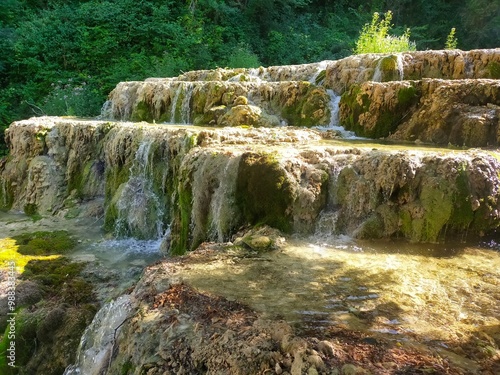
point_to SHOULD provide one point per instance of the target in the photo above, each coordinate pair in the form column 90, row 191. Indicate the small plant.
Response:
column 451, row 40
column 375, row 37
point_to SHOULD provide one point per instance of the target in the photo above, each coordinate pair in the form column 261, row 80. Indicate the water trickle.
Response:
column 259, row 74
column 98, row 340
column 140, row 211
column 320, row 68
column 174, row 103
column 377, row 75
column 181, row 114
column 334, row 117
column 223, row 203
column 106, row 111
column 186, row 103
column 400, row 65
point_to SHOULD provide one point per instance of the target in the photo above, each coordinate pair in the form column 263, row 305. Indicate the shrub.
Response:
column 375, row 38
column 451, row 40
column 243, row 57
column 72, row 98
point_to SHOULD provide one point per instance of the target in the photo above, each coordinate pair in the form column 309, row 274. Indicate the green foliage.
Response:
column 451, row 40
column 72, row 98
column 375, row 37
column 242, row 57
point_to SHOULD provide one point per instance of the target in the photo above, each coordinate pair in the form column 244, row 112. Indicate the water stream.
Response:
column 98, row 340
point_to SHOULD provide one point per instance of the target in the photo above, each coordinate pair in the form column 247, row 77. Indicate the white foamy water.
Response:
column 98, row 340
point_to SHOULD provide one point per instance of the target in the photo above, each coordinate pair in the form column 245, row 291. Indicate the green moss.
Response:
column 373, row 227
column 389, row 68
column 79, row 178
column 110, row 217
column 321, row 77
column 52, row 273
column 180, row 231
column 6, row 196
column 463, row 215
column 438, row 206
column 494, row 69
column 309, row 110
column 427, row 219
column 127, row 368
column 263, row 192
column 142, row 112
column 44, row 243
column 61, row 317
column 115, row 177
column 353, row 104
column 30, row 209
column 407, row 96
column 25, row 342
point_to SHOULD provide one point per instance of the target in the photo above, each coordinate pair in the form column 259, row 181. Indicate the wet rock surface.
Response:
column 204, row 184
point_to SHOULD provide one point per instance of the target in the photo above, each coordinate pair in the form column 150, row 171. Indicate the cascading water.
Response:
column 186, row 103
column 400, row 65
column 377, row 75
column 174, row 103
column 222, row 205
column 182, row 115
column 321, row 67
column 139, row 208
column 334, row 117
column 106, row 111
column 98, row 340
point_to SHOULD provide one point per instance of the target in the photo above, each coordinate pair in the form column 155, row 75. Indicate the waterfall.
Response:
column 223, row 202
column 185, row 91
column 106, row 111
column 321, row 67
column 98, row 340
column 186, row 103
column 377, row 75
column 400, row 65
column 174, row 103
column 334, row 116
column 139, row 208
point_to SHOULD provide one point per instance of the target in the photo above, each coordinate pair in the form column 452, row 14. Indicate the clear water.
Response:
column 115, row 264
column 393, row 288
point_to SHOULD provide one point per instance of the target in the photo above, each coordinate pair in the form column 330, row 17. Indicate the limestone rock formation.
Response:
column 380, row 92
column 457, row 112
column 462, row 113
column 205, row 184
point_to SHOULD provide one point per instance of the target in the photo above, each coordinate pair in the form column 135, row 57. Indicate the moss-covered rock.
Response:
column 375, row 110
column 304, row 104
column 45, row 243
column 264, row 192
column 387, row 69
column 461, row 113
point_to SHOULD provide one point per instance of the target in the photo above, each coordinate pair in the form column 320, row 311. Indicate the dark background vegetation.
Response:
column 62, row 57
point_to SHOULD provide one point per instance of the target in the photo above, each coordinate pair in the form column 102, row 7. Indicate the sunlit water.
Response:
column 387, row 287
column 114, row 264
column 403, row 292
